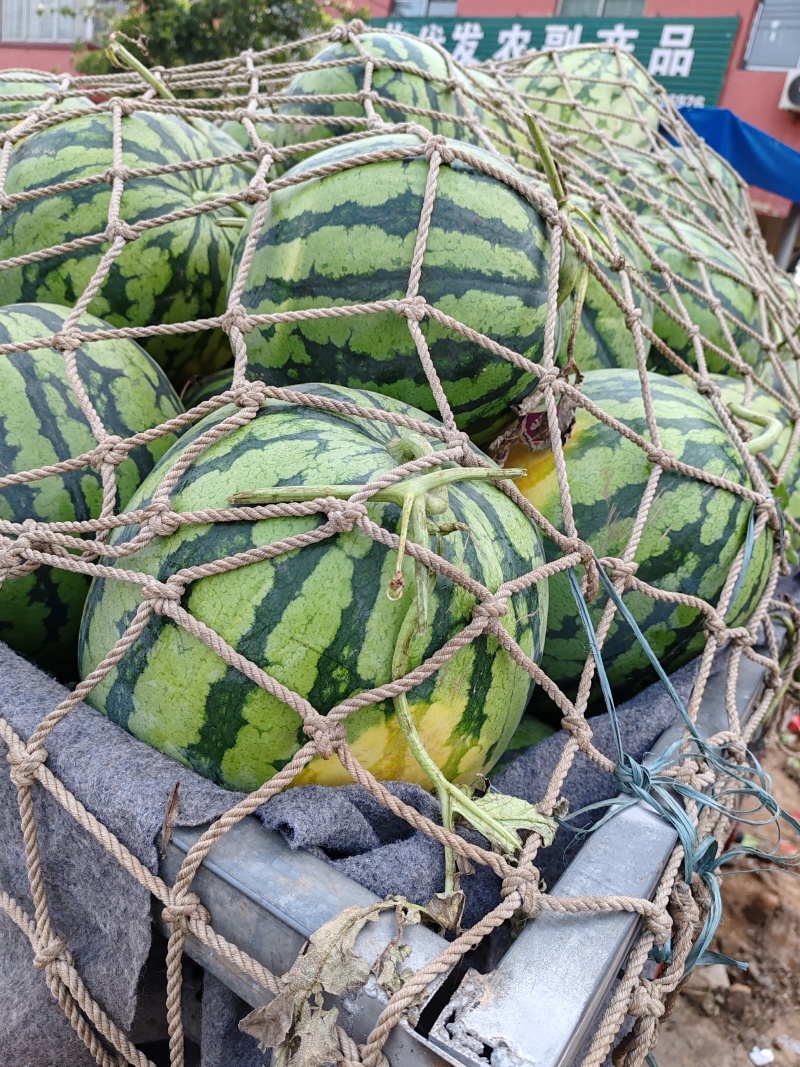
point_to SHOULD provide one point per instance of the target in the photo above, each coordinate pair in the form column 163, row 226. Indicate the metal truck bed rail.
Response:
column 536, row 1008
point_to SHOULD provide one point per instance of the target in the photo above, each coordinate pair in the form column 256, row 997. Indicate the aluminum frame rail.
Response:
column 536, row 1008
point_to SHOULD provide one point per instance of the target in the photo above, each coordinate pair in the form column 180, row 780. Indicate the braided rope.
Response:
column 491, row 121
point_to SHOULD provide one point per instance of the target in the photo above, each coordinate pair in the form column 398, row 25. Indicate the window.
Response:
column 774, row 42
column 601, row 8
column 424, row 9
column 53, row 21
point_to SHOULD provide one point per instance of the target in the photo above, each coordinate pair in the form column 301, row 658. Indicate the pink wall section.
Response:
column 51, row 57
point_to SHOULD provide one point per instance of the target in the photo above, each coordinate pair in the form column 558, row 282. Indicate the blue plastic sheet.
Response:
column 759, row 158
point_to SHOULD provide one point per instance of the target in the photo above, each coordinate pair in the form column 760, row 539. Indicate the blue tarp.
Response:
column 760, row 159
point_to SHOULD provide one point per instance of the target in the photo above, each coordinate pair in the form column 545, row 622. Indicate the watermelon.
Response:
column 171, row 273
column 691, row 537
column 402, row 91
column 735, row 392
column 678, row 244
column 41, row 423
column 26, row 83
column 604, row 339
column 349, row 238
column 318, row 618
column 636, row 178
column 614, row 95
column 206, row 388
column 707, row 173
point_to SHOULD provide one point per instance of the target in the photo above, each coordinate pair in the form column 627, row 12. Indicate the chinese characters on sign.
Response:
column 688, row 58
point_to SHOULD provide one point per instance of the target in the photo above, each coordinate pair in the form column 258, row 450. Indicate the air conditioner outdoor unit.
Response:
column 790, row 97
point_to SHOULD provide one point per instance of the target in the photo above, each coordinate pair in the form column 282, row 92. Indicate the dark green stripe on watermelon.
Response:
column 402, row 88
column 349, row 238
column 691, row 537
column 562, row 83
column 41, row 423
column 736, row 296
column 317, row 618
column 172, row 273
column 604, row 338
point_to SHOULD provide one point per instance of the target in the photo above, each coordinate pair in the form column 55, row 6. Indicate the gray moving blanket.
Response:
column 106, row 916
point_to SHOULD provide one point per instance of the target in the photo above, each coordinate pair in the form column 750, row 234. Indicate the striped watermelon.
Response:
column 171, row 273
column 405, row 91
column 26, row 83
column 678, row 243
column 604, row 338
column 706, row 172
column 690, row 540
column 348, row 238
column 615, row 97
column 318, row 618
column 208, row 387
column 41, row 423
column 735, row 392
column 638, row 177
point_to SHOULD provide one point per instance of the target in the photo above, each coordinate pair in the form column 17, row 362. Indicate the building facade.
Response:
column 739, row 59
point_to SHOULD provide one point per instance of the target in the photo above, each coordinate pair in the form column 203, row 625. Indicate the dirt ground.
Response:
column 723, row 1012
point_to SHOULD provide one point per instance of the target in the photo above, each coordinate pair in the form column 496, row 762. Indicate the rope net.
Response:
column 633, row 223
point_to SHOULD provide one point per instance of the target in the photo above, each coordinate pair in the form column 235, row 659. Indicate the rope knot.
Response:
column 343, row 32
column 548, row 378
column 575, row 546
column 66, row 342
column 368, row 94
column 164, row 522
column 111, row 451
column 250, row 395
column 343, row 515
column 51, row 953
column 620, row 569
column 490, row 609
column 634, row 315
column 183, row 909
column 578, row 726
column 645, row 1002
column 524, row 883
column 692, row 331
column 256, row 191
column 25, row 764
column 715, row 626
column 768, row 506
column 617, row 263
column 162, row 594
column 413, row 307
column 438, row 144
column 14, row 562
column 709, row 389
column 660, row 456
column 111, row 175
column 120, row 228
column 327, row 736
column 237, row 317
column 683, row 906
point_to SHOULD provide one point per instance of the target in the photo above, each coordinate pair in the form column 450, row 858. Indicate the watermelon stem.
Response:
column 765, row 441
column 392, row 494
column 418, row 497
column 454, row 801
